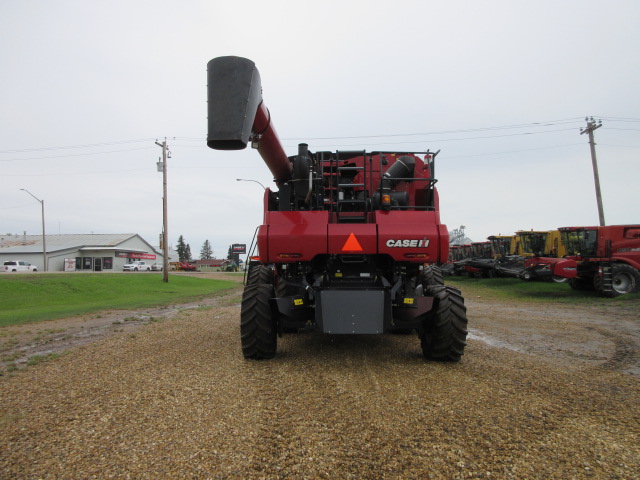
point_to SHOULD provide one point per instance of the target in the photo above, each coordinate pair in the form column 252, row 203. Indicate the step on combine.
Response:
column 351, row 240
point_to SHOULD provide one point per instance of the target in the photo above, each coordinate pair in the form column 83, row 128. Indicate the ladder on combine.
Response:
column 607, row 277
column 342, row 196
column 607, row 270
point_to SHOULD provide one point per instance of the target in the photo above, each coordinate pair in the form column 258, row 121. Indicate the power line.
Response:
column 619, row 119
column 446, row 132
column 620, row 146
column 458, row 139
column 74, row 155
column 74, row 173
column 514, row 151
column 88, row 145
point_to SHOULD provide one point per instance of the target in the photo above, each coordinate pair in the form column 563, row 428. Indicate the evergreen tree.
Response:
column 233, row 256
column 207, row 252
column 187, row 253
column 181, row 250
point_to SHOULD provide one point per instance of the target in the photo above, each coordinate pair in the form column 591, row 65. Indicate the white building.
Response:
column 96, row 252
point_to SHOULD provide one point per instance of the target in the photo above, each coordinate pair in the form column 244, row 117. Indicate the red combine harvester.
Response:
column 350, row 240
column 608, row 258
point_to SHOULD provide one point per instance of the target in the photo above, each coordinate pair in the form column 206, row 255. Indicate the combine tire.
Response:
column 444, row 333
column 431, row 275
column 259, row 274
column 625, row 279
column 258, row 329
column 526, row 275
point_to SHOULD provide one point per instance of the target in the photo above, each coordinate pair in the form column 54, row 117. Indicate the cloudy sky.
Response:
column 501, row 87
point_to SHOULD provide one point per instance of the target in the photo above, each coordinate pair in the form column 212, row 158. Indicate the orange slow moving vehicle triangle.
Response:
column 352, row 244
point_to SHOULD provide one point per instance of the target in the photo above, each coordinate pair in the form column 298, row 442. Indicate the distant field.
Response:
column 36, row 297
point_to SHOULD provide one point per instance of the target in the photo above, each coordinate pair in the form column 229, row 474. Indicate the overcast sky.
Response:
column 500, row 87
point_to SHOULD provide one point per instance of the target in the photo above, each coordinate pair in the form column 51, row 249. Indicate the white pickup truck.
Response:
column 135, row 266
column 18, row 266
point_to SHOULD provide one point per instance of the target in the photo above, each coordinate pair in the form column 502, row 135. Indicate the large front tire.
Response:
column 443, row 336
column 624, row 279
column 258, row 329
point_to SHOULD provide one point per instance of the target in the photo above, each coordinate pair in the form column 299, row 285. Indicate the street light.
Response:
column 248, row 180
column 165, row 240
column 44, row 238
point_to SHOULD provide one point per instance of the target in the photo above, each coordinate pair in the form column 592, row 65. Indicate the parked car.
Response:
column 135, row 266
column 18, row 266
column 156, row 267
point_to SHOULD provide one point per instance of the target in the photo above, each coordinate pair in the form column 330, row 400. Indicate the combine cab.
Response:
column 546, row 262
column 481, row 263
column 502, row 245
column 607, row 258
column 350, row 241
column 503, row 249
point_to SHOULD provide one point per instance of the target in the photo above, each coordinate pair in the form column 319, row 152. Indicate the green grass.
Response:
column 32, row 298
column 36, row 359
column 516, row 289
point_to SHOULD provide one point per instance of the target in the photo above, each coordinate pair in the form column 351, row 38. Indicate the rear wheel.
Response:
column 258, row 326
column 257, row 323
column 431, row 275
column 259, row 274
column 444, row 333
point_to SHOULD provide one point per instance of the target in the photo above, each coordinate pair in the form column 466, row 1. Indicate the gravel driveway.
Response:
column 545, row 393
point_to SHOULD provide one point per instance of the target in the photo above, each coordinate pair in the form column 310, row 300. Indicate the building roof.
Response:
column 33, row 243
column 214, row 262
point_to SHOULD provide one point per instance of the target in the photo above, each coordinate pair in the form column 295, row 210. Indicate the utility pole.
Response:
column 165, row 239
column 591, row 126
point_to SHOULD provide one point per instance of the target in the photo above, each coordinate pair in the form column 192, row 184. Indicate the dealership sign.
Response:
column 239, row 248
column 142, row 256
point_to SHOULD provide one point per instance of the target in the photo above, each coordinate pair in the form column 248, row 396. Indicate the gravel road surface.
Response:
column 544, row 393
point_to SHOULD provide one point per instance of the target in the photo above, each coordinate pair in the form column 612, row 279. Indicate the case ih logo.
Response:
column 408, row 243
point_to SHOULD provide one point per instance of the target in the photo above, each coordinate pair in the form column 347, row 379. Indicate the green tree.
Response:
column 233, row 256
column 207, row 252
column 181, row 249
column 187, row 253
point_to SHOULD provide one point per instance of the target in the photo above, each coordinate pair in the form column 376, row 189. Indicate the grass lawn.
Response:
column 516, row 289
column 36, row 297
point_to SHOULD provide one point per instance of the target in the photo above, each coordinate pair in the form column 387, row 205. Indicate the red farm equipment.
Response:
column 544, row 252
column 350, row 241
column 607, row 258
column 481, row 262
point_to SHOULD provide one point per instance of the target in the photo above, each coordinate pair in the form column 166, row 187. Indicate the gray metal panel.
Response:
column 351, row 311
column 33, row 243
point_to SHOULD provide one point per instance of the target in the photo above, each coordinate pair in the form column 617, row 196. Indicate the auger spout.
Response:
column 237, row 114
